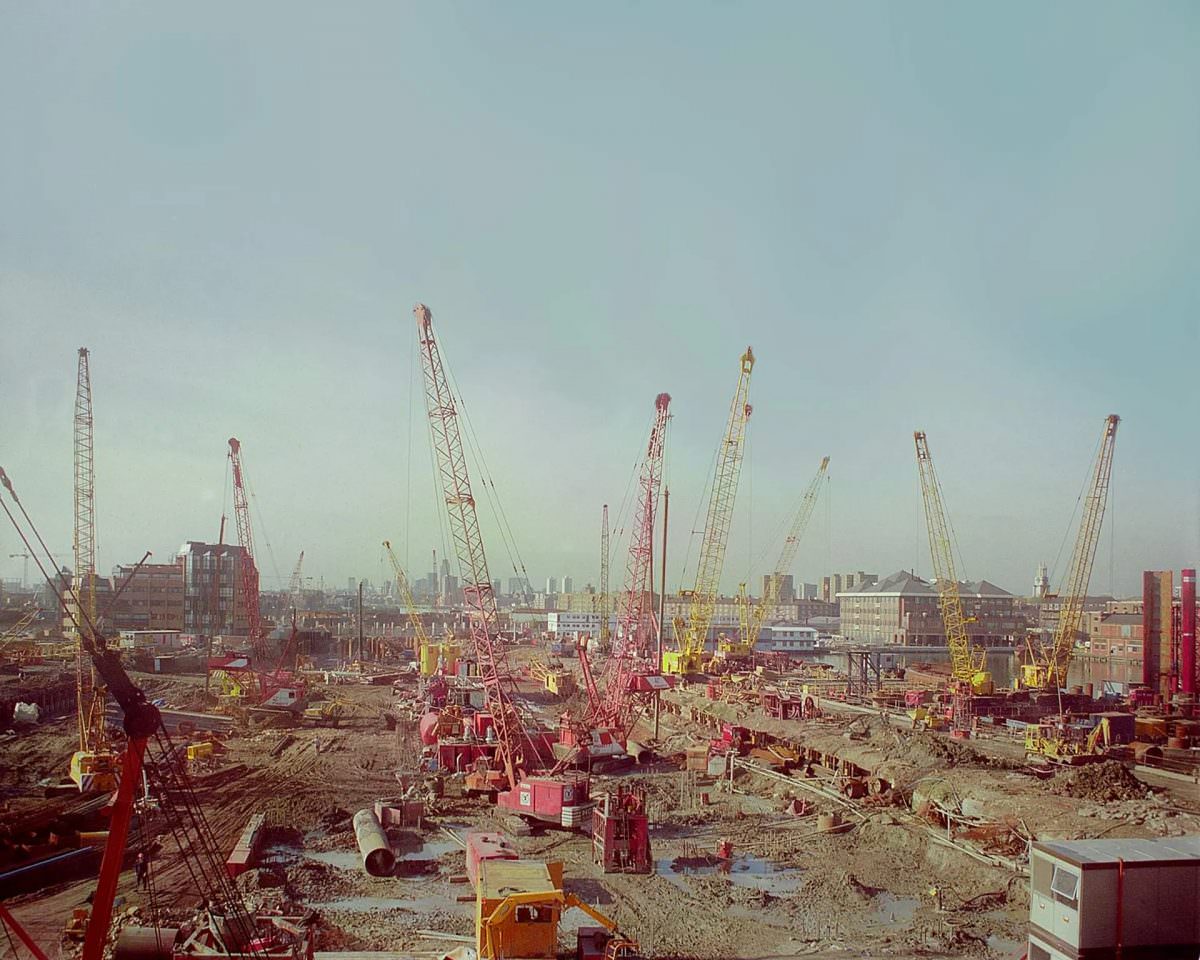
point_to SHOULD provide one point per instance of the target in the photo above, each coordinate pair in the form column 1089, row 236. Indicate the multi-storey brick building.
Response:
column 903, row 609
column 212, row 602
column 151, row 600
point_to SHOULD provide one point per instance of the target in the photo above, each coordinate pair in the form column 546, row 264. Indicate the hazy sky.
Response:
column 978, row 220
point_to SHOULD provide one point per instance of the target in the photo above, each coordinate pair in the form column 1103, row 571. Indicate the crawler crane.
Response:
column 692, row 636
column 966, row 665
column 518, row 775
column 1048, row 663
column 753, row 617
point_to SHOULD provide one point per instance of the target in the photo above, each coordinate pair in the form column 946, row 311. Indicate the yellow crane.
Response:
column 966, row 665
column 1049, row 662
column 93, row 765
column 428, row 652
column 691, row 636
column 753, row 617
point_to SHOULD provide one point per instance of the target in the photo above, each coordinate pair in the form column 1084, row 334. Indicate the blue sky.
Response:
column 980, row 221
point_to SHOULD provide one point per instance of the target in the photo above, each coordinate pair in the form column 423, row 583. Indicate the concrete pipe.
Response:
column 378, row 859
column 145, row 943
column 639, row 753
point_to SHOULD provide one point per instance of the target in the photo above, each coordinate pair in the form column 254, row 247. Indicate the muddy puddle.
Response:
column 752, row 872
column 891, row 910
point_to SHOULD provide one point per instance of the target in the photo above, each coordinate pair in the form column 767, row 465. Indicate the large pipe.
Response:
column 378, row 859
column 145, row 943
column 1187, row 639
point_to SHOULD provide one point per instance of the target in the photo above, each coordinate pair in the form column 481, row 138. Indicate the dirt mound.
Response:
column 1101, row 782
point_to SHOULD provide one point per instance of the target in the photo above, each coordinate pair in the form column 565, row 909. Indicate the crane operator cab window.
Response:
column 534, row 914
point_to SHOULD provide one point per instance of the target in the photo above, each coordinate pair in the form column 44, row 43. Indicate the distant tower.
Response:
column 552, row 585
column 1041, row 583
column 568, row 584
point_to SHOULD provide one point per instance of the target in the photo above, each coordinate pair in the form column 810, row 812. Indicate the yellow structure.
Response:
column 691, row 637
column 966, row 665
column 1048, row 664
column 752, row 618
column 517, row 907
column 438, row 657
column 518, row 904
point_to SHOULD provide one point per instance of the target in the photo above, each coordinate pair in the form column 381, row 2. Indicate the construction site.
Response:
column 652, row 790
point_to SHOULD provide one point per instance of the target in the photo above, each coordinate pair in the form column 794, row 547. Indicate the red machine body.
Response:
column 621, row 832
column 481, row 846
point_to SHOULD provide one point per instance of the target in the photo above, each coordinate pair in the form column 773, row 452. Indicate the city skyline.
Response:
column 909, row 233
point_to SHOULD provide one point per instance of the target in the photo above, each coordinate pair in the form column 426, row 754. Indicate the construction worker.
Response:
column 141, row 870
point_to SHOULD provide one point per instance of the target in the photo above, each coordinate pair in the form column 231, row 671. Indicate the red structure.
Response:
column 564, row 799
column 1187, row 632
column 249, row 568
column 482, row 846
column 632, row 673
column 621, row 832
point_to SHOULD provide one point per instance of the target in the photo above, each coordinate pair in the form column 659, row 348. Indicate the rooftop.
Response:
column 904, row 583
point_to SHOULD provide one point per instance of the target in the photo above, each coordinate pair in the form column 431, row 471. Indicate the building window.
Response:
column 1064, row 885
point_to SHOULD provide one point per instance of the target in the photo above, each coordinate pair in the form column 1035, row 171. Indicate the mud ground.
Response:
column 883, row 887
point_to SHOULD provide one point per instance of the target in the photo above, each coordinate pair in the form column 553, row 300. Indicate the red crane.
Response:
column 248, row 570
column 275, row 687
column 564, row 797
column 631, row 672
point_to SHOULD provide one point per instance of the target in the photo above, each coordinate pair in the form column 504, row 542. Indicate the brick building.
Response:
column 151, row 600
column 903, row 609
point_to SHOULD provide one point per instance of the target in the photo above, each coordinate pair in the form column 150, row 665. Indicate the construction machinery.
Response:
column 266, row 682
column 93, row 766
column 519, row 903
column 296, row 585
column 510, row 770
column 631, row 679
column 967, row 665
column 692, row 636
column 753, row 617
column 433, row 657
column 1048, row 663
column 142, row 724
column 605, row 598
column 1056, row 741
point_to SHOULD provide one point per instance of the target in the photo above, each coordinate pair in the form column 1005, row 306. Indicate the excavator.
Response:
column 590, row 945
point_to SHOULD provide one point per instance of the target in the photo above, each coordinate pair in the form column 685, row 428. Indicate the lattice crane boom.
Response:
column 248, row 568
column 407, row 596
column 753, row 617
column 89, row 699
column 716, row 529
column 1056, row 659
column 295, row 584
column 605, row 597
column 965, row 665
column 516, row 753
column 633, row 645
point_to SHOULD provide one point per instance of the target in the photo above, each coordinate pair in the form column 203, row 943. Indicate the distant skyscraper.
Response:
column 351, row 585
column 496, row 588
column 568, row 584
column 552, row 584
column 516, row 586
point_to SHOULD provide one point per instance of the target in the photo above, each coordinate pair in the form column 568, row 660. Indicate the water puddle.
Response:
column 751, row 872
column 895, row 911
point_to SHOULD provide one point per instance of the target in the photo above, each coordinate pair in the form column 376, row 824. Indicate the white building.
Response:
column 567, row 623
column 1102, row 898
column 552, row 585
